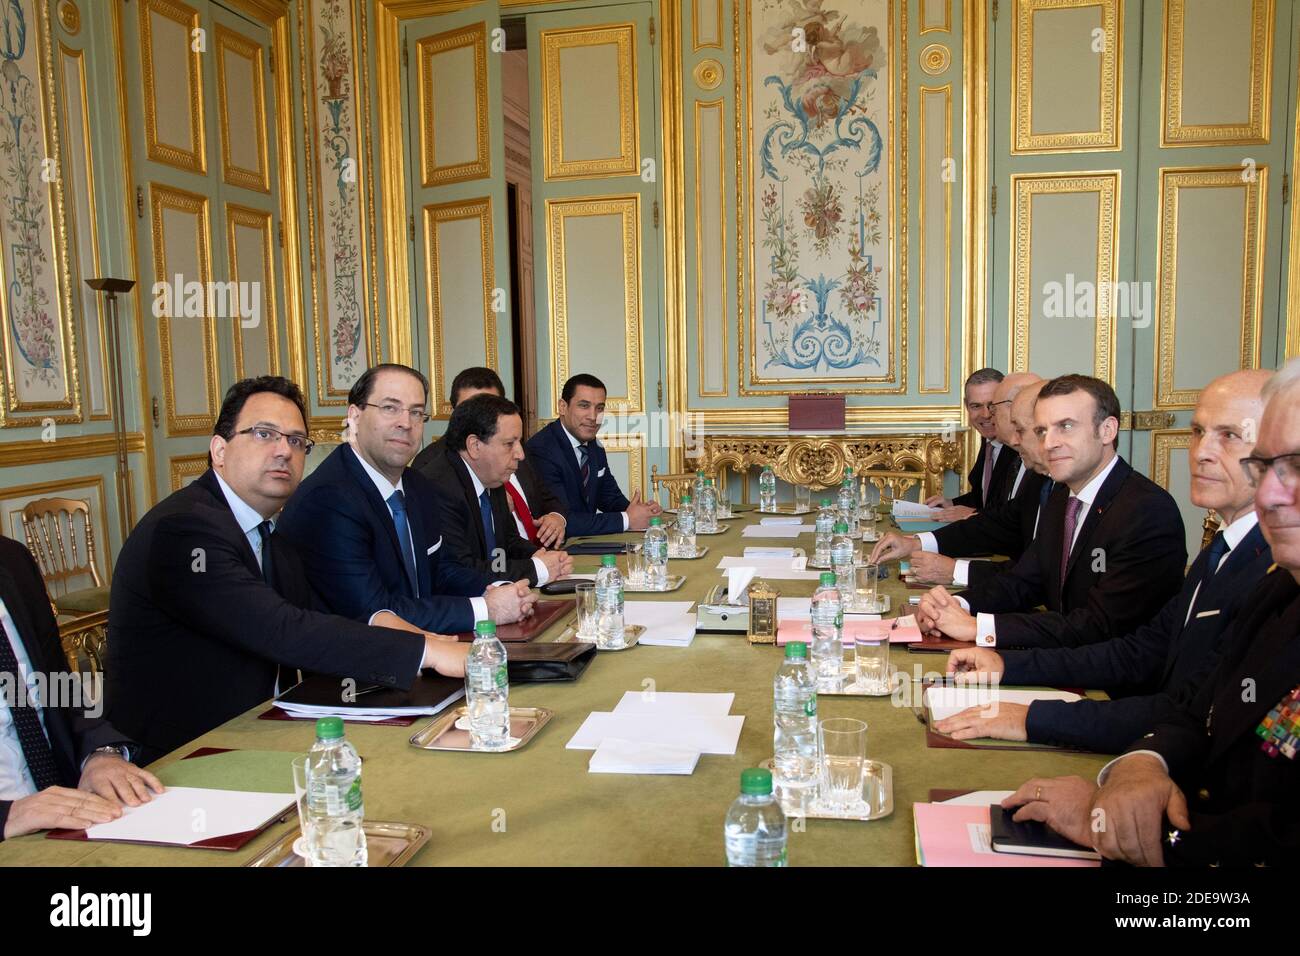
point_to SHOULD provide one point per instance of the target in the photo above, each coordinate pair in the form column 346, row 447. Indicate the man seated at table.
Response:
column 1159, row 666
column 539, row 513
column 993, row 462
column 483, row 448
column 1008, row 527
column 1216, row 783
column 1109, row 552
column 570, row 460
column 211, row 610
column 367, row 526
column 61, row 764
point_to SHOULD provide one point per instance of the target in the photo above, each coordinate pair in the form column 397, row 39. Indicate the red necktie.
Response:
column 522, row 512
column 988, row 474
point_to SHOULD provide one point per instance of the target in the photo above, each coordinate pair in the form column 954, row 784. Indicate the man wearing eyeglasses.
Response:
column 993, row 463
column 367, row 526
column 212, row 612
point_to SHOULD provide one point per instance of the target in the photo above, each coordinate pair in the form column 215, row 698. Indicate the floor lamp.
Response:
column 111, row 288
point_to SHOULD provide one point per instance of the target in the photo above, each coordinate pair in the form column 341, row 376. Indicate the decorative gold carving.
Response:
column 14, row 454
column 1255, row 130
column 1163, row 442
column 632, row 444
column 720, row 211
column 627, row 207
column 708, row 74
column 236, row 44
column 1149, row 421
column 70, row 17
column 85, row 646
column 196, row 206
column 434, row 215
column 1168, row 395
column 1109, row 91
column 935, row 59
column 245, row 217
column 623, row 37
column 194, row 157
column 931, row 166
column 895, row 463
column 1025, row 187
column 184, row 468
column 473, row 36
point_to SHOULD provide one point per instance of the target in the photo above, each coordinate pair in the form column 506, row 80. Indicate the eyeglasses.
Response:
column 974, row 407
column 395, row 411
column 1285, row 467
column 1005, row 401
column 270, row 436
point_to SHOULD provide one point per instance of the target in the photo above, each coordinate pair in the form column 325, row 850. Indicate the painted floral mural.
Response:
column 820, row 86
column 340, row 195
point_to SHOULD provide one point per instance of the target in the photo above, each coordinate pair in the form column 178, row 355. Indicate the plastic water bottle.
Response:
column 487, row 690
column 767, row 489
column 686, row 525
column 848, row 504
column 825, row 529
column 656, row 555
column 706, row 508
column 827, row 635
column 794, row 715
column 334, row 805
column 609, row 604
column 842, row 562
column 755, row 829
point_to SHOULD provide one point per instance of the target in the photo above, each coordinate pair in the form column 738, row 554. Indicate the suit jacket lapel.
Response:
column 1092, row 517
column 378, row 506
column 570, row 457
column 208, row 482
column 1051, row 532
column 16, row 604
column 475, row 513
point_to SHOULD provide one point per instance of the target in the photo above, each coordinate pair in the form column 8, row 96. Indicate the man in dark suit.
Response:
column 1218, row 782
column 61, row 764
column 539, row 513
column 571, row 461
column 483, row 448
column 1110, row 550
column 367, row 526
column 1008, row 527
column 202, row 626
column 1155, row 669
column 993, row 462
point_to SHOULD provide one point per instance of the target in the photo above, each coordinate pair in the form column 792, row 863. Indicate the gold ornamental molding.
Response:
column 14, row 454
column 622, row 36
column 935, row 59
column 708, row 74
column 1163, row 443
column 236, row 44
column 70, row 17
column 194, row 158
column 181, row 468
column 896, row 463
column 473, row 37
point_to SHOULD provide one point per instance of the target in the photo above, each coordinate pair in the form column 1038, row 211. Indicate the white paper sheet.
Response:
column 366, row 713
column 980, row 798
column 777, row 531
column 781, row 519
column 185, row 815
column 615, row 755
column 708, row 735
column 913, row 509
column 761, row 552
column 651, row 613
column 738, row 579
column 675, row 702
column 946, row 701
column 780, row 569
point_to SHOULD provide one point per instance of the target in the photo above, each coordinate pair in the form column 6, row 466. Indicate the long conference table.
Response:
column 540, row 806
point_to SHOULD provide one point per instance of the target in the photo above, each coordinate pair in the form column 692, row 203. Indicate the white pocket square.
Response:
column 1208, row 613
column 601, row 473
column 436, row 546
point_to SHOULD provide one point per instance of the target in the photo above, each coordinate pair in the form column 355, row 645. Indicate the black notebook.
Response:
column 324, row 696
column 596, row 547
column 1032, row 838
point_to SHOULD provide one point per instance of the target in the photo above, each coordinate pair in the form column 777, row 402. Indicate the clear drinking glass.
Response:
column 871, row 660
column 843, row 751
column 866, row 596
column 636, row 565
column 584, row 599
column 302, row 846
column 724, row 502
column 802, row 498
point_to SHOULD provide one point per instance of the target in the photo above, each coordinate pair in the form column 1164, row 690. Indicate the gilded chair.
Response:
column 50, row 526
column 85, row 645
column 676, row 485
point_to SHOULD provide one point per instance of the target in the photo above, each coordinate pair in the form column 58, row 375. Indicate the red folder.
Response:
column 544, row 615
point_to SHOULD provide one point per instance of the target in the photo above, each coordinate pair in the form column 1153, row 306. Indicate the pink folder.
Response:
column 792, row 630
column 943, row 839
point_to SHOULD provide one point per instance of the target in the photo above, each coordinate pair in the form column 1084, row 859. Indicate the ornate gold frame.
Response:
column 701, row 106
column 180, row 467
column 634, row 446
column 1172, row 179
column 945, row 26
column 251, row 218
column 1164, row 441
column 928, row 164
column 193, row 160
column 473, row 36
column 241, row 46
column 696, row 43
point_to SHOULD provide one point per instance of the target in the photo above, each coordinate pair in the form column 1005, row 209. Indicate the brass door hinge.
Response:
column 139, row 202
column 661, row 393
column 656, row 213
column 993, row 202
column 405, row 57
column 995, row 10
column 652, row 31
column 270, row 60
column 153, row 405
column 1286, row 188
column 410, row 227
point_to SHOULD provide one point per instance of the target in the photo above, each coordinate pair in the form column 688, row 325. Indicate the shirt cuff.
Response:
column 382, row 610
column 480, row 607
column 986, row 631
column 961, row 572
column 543, row 575
column 626, row 521
column 929, row 543
column 1105, row 771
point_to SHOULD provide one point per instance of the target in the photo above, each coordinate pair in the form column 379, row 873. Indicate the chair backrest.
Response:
column 50, row 526
column 85, row 645
column 676, row 485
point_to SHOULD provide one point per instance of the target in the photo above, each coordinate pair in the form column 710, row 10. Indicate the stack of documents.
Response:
column 957, row 832
column 666, row 623
column 912, row 509
column 791, row 530
column 783, row 569
column 752, row 552
column 169, row 818
column 858, row 628
column 659, row 732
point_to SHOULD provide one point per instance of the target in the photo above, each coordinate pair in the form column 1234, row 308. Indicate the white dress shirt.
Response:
column 543, row 575
column 15, row 779
column 245, row 517
column 986, row 634
column 575, row 443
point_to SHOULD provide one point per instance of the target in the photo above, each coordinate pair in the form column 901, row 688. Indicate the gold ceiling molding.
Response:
column 1110, row 81
column 1172, row 181
column 1255, row 130
column 1024, row 188
column 708, row 74
column 14, row 454
column 935, row 59
column 474, row 37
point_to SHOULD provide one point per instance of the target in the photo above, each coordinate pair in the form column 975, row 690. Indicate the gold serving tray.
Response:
column 877, row 794
column 674, row 582
column 387, row 844
column 699, row 553
column 442, row 734
column 631, row 634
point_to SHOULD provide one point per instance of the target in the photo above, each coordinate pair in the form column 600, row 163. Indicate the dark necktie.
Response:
column 489, row 535
column 285, row 676
column 584, row 466
column 397, row 505
column 988, row 473
column 31, row 736
column 1072, row 509
column 1045, row 492
column 1217, row 549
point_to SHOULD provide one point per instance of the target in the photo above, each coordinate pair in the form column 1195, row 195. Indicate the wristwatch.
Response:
column 116, row 751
